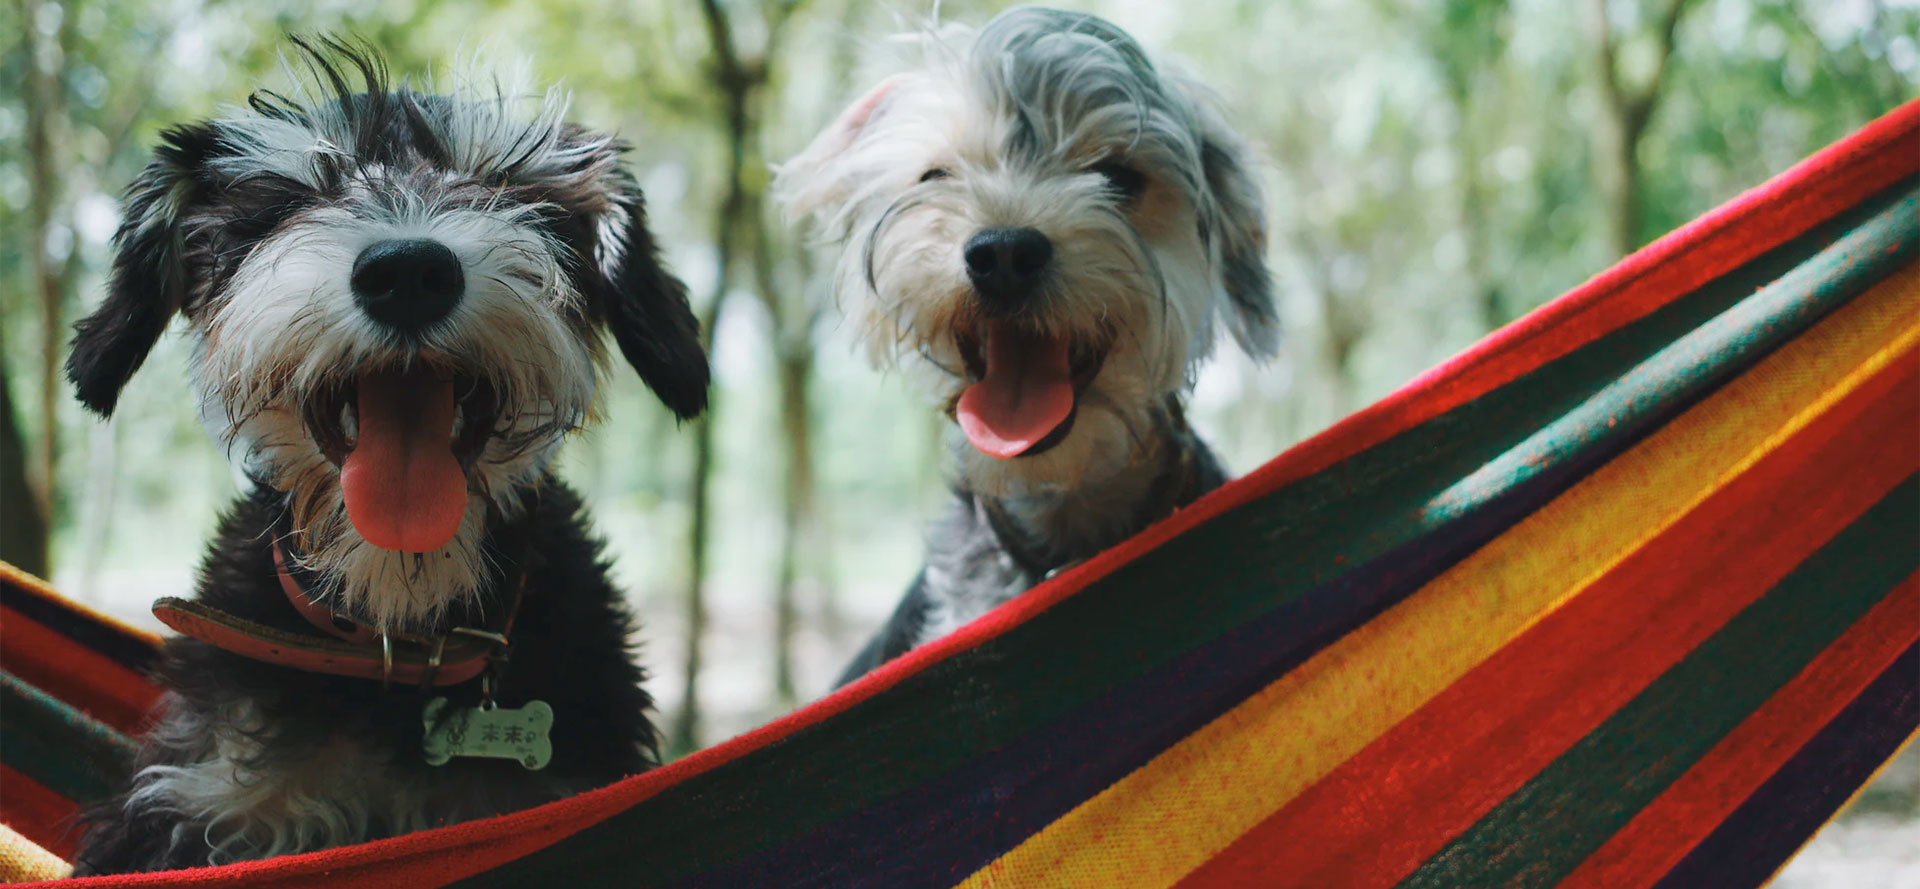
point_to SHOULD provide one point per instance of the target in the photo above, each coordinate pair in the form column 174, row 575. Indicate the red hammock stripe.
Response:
column 1528, row 703
column 39, row 814
column 1662, row 834
column 1751, row 845
column 72, row 672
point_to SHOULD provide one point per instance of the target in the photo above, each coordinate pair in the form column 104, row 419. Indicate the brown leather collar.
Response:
column 351, row 648
column 338, row 624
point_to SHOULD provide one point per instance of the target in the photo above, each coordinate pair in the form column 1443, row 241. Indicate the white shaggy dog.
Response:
column 1052, row 225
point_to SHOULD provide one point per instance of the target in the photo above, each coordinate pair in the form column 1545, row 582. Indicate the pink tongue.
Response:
column 1027, row 393
column 403, row 486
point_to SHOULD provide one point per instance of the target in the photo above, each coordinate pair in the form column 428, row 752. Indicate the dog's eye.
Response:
column 1127, row 181
column 935, row 173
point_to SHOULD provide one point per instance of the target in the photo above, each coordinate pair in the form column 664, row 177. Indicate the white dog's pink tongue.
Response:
column 1027, row 392
column 403, row 486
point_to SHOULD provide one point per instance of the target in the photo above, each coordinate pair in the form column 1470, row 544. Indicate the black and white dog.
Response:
column 1052, row 225
column 396, row 298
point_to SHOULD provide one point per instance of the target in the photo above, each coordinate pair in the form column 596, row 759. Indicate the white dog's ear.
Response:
column 813, row 182
column 1239, row 223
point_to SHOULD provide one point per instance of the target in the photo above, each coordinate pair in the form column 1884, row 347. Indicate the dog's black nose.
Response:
column 407, row 284
column 1006, row 263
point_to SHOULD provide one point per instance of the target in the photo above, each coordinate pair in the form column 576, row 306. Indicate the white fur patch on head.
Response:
column 1026, row 124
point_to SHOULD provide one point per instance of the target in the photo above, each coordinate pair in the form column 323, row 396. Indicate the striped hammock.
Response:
column 1623, row 596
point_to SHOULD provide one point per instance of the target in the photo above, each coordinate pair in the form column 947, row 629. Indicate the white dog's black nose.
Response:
column 408, row 284
column 1006, row 264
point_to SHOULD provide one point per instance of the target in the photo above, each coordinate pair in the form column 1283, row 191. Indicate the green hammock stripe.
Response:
column 1699, row 361
column 1265, row 555
column 1538, row 835
column 63, row 749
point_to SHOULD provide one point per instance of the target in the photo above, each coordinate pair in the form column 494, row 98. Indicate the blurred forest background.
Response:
column 1436, row 168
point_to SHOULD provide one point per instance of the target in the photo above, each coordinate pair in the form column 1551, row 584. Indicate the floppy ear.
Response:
column 1240, row 225
column 648, row 313
column 808, row 183
column 148, row 282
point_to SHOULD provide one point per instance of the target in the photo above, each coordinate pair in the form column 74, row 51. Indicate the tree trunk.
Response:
column 1623, row 178
column 23, row 532
column 1341, row 341
column 1631, row 108
column 684, row 737
column 796, row 514
column 792, row 331
column 739, row 82
column 1473, row 215
column 43, row 107
column 732, row 85
column 1345, row 322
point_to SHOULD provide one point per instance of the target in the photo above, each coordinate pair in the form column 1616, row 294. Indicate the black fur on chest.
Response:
column 570, row 647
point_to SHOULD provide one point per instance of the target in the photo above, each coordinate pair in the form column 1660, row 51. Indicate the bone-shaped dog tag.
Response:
column 516, row 733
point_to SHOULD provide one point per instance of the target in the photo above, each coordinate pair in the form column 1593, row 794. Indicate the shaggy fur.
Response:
column 975, row 561
column 249, row 760
column 1057, row 123
column 249, row 226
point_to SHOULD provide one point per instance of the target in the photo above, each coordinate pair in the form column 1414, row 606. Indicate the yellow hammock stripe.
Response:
column 1195, row 798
